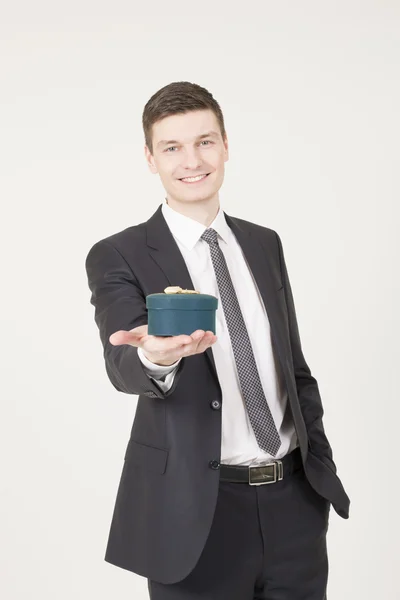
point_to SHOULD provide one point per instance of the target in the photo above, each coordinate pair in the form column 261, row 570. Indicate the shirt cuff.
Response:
column 156, row 370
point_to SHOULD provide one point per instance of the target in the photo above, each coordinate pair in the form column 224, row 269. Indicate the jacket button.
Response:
column 214, row 464
column 216, row 404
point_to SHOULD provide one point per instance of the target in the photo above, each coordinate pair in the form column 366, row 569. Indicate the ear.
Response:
column 150, row 160
column 226, row 148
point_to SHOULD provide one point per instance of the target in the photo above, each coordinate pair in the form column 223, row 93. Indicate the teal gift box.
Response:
column 182, row 312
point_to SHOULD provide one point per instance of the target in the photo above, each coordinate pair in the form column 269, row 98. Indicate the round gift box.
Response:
column 177, row 314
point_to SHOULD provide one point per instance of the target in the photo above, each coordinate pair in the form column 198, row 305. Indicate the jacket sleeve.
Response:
column 164, row 375
column 306, row 384
column 120, row 304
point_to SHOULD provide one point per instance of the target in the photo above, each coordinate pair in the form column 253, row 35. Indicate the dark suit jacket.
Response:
column 168, row 491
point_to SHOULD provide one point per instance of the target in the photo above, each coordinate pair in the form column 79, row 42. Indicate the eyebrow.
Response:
column 200, row 137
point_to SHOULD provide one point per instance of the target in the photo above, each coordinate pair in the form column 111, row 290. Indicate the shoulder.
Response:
column 267, row 234
column 131, row 237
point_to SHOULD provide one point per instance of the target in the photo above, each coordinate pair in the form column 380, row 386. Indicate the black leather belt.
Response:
column 270, row 472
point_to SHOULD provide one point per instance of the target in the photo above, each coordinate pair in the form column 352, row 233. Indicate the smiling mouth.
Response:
column 194, row 179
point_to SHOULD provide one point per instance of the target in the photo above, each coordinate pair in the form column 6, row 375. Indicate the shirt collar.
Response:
column 188, row 231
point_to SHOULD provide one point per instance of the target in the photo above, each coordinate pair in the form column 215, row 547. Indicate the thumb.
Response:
column 132, row 337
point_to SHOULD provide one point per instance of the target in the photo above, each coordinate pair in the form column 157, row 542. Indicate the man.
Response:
column 228, row 475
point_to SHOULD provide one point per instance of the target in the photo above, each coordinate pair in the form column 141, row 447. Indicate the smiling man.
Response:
column 228, row 475
column 188, row 151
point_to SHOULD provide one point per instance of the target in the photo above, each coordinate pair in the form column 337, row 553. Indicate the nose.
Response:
column 192, row 159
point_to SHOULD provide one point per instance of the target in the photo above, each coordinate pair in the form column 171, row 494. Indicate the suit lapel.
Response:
column 165, row 252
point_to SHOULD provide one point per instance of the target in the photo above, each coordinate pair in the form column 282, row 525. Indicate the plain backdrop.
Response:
column 310, row 92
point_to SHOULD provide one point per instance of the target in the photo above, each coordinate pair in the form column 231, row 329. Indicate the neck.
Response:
column 203, row 212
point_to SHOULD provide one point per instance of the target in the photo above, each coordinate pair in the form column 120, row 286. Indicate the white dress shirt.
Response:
column 238, row 445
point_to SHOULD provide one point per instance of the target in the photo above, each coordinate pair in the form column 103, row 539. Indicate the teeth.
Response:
column 193, row 178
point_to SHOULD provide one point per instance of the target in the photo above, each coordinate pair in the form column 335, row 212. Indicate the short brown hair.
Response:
column 174, row 98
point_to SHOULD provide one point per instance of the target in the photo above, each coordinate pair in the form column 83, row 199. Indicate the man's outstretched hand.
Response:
column 164, row 350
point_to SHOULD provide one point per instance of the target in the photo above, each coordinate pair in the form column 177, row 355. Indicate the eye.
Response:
column 170, row 148
column 206, row 142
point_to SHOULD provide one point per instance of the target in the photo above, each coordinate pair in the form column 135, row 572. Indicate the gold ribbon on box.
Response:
column 175, row 289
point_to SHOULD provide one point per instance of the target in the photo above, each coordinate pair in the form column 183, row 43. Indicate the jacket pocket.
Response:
column 146, row 457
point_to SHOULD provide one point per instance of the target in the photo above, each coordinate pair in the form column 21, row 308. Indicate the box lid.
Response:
column 181, row 302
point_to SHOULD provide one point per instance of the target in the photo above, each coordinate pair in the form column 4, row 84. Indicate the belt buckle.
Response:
column 267, row 477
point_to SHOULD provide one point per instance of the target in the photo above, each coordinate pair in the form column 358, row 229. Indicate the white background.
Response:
column 310, row 93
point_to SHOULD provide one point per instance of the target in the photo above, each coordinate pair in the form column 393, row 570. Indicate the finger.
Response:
column 163, row 345
column 207, row 341
column 177, row 341
column 197, row 335
column 141, row 329
column 191, row 348
column 200, row 340
column 126, row 337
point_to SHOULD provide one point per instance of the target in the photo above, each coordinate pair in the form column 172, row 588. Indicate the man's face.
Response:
column 185, row 146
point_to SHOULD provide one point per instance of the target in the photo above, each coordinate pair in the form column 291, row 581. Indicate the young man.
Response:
column 228, row 476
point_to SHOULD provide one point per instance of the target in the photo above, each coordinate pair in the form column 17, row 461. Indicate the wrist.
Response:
column 159, row 363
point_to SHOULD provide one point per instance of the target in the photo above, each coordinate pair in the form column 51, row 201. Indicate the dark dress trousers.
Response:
column 169, row 484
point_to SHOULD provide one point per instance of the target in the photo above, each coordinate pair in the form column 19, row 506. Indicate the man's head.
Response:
column 185, row 137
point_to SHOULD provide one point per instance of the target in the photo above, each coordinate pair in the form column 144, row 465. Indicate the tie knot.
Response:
column 210, row 236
